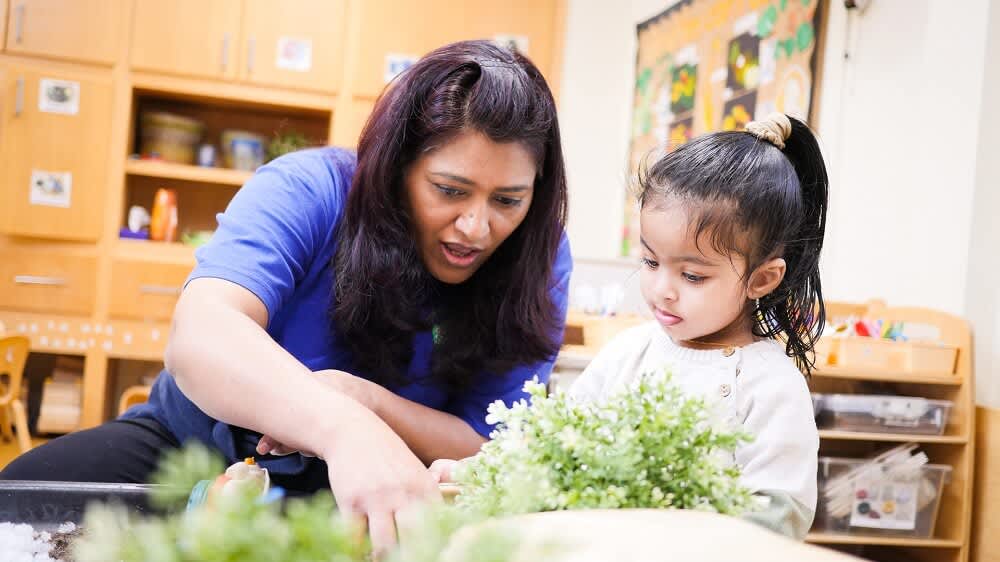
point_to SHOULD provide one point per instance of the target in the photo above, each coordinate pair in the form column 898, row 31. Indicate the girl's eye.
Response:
column 448, row 191
column 649, row 263
column 690, row 277
column 508, row 201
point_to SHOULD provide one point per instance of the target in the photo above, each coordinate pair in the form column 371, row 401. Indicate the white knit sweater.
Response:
column 757, row 387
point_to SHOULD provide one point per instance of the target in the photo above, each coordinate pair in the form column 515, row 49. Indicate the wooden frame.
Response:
column 955, row 448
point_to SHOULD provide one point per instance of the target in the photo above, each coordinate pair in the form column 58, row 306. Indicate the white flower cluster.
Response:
column 646, row 447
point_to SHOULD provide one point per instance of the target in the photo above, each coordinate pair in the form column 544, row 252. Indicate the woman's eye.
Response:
column 692, row 277
column 649, row 263
column 508, row 201
column 448, row 191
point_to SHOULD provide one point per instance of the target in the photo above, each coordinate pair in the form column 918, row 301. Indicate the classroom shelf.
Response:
column 892, row 437
column 183, row 172
column 886, row 376
column 155, row 252
column 829, row 538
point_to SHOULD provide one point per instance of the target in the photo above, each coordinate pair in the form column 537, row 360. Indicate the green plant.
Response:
column 285, row 142
column 646, row 447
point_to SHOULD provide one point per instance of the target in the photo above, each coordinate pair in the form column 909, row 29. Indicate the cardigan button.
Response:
column 725, row 390
column 729, row 351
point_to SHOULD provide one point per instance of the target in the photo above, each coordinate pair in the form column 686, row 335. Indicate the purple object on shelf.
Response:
column 124, row 232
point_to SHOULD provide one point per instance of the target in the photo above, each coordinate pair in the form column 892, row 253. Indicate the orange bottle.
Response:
column 163, row 224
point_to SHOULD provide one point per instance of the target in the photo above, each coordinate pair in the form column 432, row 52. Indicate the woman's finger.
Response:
column 382, row 531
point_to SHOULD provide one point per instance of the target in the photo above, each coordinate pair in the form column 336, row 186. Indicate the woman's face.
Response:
column 466, row 197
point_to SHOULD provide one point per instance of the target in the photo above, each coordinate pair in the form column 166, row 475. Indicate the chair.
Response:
column 13, row 356
column 133, row 395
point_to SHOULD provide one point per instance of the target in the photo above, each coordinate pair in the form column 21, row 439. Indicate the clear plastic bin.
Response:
column 859, row 497
column 882, row 413
column 817, row 399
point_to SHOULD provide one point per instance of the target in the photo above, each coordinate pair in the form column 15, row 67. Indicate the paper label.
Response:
column 52, row 189
column 59, row 96
column 882, row 503
column 396, row 63
column 294, row 54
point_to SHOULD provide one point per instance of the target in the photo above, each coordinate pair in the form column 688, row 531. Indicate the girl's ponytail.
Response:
column 795, row 311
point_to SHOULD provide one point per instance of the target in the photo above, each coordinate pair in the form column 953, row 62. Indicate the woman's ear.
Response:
column 766, row 278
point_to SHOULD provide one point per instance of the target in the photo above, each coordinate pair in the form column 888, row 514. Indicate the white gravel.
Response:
column 21, row 543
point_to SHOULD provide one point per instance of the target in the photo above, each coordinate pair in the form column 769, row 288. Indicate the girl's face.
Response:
column 694, row 292
column 466, row 197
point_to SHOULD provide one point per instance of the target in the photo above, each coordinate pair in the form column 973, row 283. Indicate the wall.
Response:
column 911, row 150
column 899, row 123
column 982, row 297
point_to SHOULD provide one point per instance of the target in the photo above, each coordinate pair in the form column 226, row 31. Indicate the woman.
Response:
column 366, row 310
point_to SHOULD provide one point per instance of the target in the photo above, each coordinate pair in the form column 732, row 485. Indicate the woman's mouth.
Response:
column 459, row 255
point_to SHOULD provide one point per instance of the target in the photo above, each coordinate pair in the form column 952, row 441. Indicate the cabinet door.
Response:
column 81, row 30
column 54, row 152
column 3, row 24
column 186, row 37
column 294, row 43
column 408, row 28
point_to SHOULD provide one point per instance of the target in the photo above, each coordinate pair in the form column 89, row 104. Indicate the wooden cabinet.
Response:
column 79, row 30
column 55, row 127
column 3, row 24
column 145, row 291
column 292, row 44
column 391, row 27
column 297, row 44
column 187, row 37
column 46, row 281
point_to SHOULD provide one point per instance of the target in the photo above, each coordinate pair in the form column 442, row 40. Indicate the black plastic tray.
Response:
column 46, row 505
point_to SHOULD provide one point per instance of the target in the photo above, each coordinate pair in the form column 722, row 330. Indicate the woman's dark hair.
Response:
column 502, row 316
column 761, row 202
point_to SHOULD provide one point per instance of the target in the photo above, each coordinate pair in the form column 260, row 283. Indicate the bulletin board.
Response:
column 713, row 65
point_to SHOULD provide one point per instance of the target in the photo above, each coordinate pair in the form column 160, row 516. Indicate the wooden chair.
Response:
column 13, row 356
column 131, row 396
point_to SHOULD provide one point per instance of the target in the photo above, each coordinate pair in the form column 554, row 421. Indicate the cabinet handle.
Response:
column 159, row 290
column 39, row 280
column 19, row 98
column 225, row 51
column 251, row 48
column 19, row 24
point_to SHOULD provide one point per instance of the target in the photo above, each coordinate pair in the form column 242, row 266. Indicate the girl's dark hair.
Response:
column 760, row 202
column 502, row 316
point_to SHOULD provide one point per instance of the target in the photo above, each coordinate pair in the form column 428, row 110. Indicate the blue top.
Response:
column 276, row 240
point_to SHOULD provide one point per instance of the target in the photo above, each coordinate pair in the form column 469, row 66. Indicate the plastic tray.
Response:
column 882, row 413
column 47, row 505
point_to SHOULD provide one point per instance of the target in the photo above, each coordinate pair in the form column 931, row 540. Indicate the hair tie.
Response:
column 775, row 129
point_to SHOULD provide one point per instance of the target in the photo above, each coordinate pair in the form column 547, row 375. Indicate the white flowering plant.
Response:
column 648, row 446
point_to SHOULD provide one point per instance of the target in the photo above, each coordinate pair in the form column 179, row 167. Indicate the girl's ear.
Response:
column 766, row 278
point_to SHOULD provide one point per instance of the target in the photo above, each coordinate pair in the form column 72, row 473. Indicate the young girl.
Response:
column 731, row 228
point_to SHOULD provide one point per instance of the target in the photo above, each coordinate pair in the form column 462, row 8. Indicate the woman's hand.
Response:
column 374, row 475
column 361, row 390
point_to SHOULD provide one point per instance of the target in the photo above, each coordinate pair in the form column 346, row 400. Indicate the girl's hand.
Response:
column 442, row 470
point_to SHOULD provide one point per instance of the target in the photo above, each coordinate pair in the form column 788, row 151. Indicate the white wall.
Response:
column 911, row 148
column 982, row 299
column 899, row 122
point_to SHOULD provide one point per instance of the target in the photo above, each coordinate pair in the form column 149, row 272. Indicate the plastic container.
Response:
column 859, row 498
column 817, row 403
column 47, row 505
column 882, row 414
column 170, row 137
column 242, row 150
column 889, row 355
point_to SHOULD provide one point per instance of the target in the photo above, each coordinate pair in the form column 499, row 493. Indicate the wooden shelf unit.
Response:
column 956, row 448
